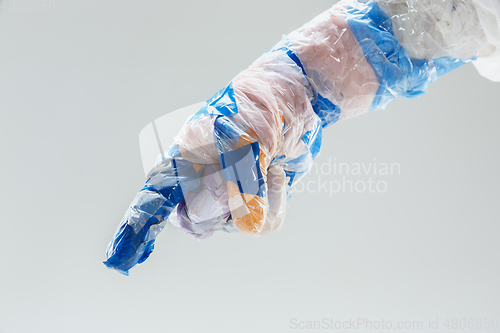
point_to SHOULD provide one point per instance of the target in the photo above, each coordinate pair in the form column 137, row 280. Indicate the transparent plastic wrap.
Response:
column 465, row 29
column 489, row 17
column 233, row 162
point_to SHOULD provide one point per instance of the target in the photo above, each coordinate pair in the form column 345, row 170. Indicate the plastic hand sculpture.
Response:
column 234, row 161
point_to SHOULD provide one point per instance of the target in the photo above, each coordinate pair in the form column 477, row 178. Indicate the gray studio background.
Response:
column 78, row 83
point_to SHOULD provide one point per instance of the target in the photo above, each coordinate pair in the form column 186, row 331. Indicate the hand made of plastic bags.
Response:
column 234, row 161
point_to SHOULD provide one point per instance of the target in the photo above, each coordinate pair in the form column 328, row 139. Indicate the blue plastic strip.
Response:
column 324, row 108
column 132, row 244
column 241, row 166
column 285, row 47
column 312, row 139
column 397, row 73
column 328, row 112
column 226, row 133
column 291, row 175
column 446, row 64
column 221, row 103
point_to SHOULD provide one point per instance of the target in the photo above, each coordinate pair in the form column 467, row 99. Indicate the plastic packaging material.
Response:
column 463, row 29
column 398, row 73
column 437, row 28
column 233, row 162
column 336, row 65
column 489, row 16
